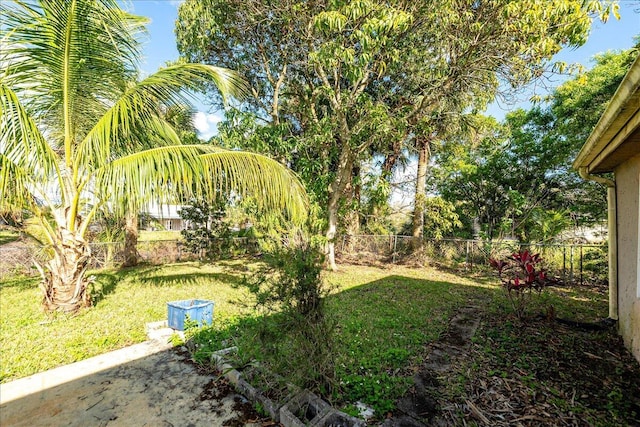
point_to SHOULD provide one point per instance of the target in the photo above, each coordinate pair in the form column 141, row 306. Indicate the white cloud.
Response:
column 206, row 124
column 176, row 3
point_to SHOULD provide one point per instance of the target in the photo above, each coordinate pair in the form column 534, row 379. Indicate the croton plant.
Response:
column 521, row 274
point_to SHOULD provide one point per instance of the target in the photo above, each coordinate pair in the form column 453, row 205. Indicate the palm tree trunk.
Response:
column 64, row 283
column 421, row 180
column 131, row 239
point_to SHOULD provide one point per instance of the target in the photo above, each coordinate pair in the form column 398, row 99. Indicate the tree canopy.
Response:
column 517, row 179
column 341, row 83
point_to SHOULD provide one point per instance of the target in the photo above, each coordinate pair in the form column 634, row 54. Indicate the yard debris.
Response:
column 535, row 373
column 477, row 413
column 499, row 393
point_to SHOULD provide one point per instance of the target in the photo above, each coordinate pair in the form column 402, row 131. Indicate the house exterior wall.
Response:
column 628, row 219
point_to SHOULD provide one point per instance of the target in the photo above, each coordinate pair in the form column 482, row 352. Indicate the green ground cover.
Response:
column 371, row 306
column 125, row 301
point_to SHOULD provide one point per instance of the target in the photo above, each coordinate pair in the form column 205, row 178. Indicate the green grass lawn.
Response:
column 8, row 236
column 384, row 319
column 125, row 301
column 148, row 236
column 366, row 299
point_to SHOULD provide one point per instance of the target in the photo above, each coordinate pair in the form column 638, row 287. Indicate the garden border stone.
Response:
column 307, row 403
column 284, row 411
column 339, row 419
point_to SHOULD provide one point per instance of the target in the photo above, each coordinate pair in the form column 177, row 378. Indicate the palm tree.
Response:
column 74, row 133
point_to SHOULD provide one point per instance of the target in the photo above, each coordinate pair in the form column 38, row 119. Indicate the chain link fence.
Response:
column 575, row 263
column 570, row 263
column 17, row 258
column 157, row 252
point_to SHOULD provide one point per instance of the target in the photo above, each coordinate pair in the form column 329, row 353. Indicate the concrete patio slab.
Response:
column 147, row 384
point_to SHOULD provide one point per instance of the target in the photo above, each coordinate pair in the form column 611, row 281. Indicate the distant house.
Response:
column 614, row 146
column 165, row 217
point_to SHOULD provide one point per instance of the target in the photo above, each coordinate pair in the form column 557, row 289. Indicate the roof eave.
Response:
column 606, row 136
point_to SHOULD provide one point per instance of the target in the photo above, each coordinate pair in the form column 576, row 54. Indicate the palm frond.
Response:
column 14, row 186
column 26, row 154
column 193, row 77
column 68, row 60
column 163, row 173
column 273, row 186
column 139, row 107
column 173, row 174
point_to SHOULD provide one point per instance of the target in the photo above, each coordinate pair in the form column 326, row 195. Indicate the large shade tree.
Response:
column 350, row 78
column 515, row 178
column 76, row 127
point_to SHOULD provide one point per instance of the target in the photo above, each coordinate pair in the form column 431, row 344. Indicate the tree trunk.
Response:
column 421, row 180
column 332, row 227
column 63, row 277
column 336, row 192
column 352, row 218
column 131, row 239
column 391, row 159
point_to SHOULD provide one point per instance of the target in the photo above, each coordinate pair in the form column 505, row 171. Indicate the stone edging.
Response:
column 299, row 408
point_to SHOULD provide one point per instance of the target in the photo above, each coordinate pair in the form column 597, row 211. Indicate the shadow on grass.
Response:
column 383, row 330
column 105, row 284
column 189, row 278
column 156, row 276
column 20, row 283
column 234, row 266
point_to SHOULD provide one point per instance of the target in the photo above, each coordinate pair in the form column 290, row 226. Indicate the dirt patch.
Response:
column 248, row 415
column 219, row 388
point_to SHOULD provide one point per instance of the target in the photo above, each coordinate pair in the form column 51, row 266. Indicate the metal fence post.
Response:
column 473, row 242
column 564, row 263
column 466, row 260
column 571, row 264
column 580, row 265
column 395, row 248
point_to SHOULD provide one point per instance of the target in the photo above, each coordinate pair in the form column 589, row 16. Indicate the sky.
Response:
column 161, row 47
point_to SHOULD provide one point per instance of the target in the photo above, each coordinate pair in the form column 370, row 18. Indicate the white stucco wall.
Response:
column 628, row 215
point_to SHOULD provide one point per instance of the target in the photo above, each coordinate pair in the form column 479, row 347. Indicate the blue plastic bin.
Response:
column 198, row 310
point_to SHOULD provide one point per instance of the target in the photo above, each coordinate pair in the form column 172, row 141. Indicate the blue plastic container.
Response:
column 198, row 310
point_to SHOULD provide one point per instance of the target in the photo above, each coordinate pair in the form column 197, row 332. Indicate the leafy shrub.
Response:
column 377, row 388
column 296, row 334
column 207, row 229
column 595, row 261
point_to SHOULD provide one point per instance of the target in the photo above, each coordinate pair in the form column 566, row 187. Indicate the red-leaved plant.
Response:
column 521, row 274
